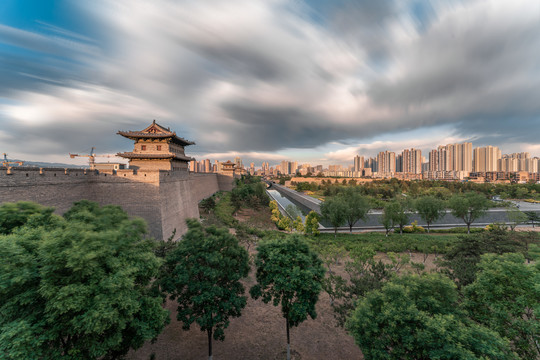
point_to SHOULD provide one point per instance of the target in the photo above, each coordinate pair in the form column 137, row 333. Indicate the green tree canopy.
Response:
column 363, row 274
column 357, row 206
column 289, row 274
column 506, row 298
column 515, row 217
column 462, row 259
column 388, row 216
column 335, row 211
column 468, row 207
column 14, row 215
column 417, row 317
column 78, row 288
column 203, row 273
column 533, row 217
column 430, row 209
column 396, row 213
column 311, row 224
column 208, row 204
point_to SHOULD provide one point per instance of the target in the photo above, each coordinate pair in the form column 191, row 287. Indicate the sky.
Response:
column 269, row 80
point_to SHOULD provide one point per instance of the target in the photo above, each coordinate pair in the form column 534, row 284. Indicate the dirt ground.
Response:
column 258, row 334
column 259, row 218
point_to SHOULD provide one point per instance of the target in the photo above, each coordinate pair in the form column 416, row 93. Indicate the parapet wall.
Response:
column 164, row 199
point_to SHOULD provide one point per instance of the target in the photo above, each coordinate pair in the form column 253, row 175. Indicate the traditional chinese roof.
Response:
column 228, row 164
column 169, row 156
column 155, row 131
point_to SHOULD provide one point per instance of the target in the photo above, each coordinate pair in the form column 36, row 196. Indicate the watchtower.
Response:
column 156, row 148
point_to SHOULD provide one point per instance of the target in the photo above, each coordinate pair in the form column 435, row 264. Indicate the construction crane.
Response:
column 7, row 163
column 91, row 158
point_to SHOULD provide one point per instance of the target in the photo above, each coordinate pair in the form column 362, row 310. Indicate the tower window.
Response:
column 143, row 147
column 158, row 147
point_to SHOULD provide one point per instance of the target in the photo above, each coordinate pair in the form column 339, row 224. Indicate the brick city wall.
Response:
column 164, row 199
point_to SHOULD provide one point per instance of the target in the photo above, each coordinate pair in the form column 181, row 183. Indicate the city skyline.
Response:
column 454, row 161
column 310, row 81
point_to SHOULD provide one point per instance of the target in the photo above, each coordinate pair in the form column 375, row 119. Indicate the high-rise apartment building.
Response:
column 486, row 158
column 518, row 162
column 207, row 166
column 434, row 161
column 293, row 167
column 238, row 163
column 371, row 163
column 358, row 163
column 410, row 161
column 386, row 162
column 451, row 157
column 284, row 167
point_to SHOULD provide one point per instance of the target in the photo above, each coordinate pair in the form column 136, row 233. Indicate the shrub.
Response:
column 414, row 228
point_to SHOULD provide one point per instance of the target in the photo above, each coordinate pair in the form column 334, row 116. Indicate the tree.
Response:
column 311, row 225
column 203, row 274
column 290, row 274
column 430, row 209
column 530, row 240
column 506, row 298
column 396, row 212
column 78, row 287
column 14, row 215
column 357, row 206
column 461, row 260
column 388, row 216
column 418, row 317
column 468, row 207
column 298, row 225
column 402, row 214
column 532, row 217
column 335, row 211
column 363, row 275
column 515, row 217
column 285, row 223
column 208, row 204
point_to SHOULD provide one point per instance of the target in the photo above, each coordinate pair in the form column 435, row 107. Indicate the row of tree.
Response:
column 350, row 206
column 388, row 189
column 89, row 285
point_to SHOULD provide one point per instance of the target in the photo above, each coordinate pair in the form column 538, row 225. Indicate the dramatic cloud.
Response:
column 256, row 77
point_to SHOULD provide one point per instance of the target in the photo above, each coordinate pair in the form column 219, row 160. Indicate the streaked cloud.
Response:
column 268, row 78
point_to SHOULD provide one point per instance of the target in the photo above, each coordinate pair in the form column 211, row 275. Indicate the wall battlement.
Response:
column 163, row 198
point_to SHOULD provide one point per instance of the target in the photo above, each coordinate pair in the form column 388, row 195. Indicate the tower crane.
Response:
column 91, row 158
column 7, row 163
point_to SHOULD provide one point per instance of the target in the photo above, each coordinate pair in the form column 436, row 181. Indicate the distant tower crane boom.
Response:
column 91, row 158
column 7, row 163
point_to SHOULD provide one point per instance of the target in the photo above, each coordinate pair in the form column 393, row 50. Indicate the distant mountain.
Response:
column 49, row 164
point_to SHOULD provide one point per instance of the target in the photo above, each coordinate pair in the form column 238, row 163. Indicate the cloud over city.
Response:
column 263, row 78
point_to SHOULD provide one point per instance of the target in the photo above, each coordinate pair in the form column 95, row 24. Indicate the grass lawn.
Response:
column 426, row 243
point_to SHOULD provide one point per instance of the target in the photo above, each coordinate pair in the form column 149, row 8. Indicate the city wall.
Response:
column 164, row 199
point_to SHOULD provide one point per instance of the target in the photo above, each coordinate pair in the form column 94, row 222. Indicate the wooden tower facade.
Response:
column 156, row 148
